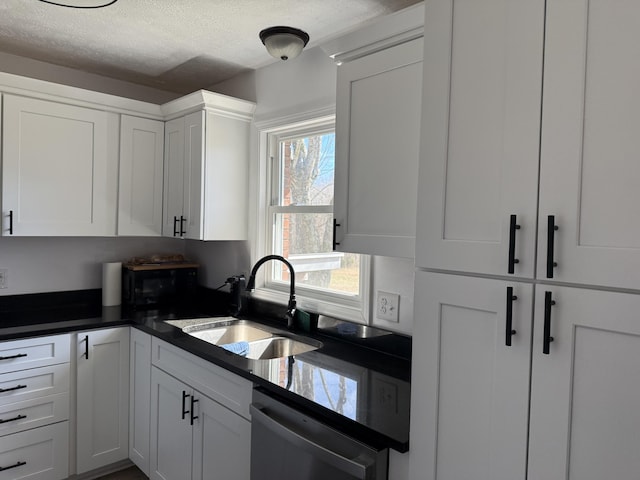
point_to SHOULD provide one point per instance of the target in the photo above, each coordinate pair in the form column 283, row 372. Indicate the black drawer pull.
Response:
column 547, row 338
column 335, row 228
column 175, row 226
column 19, row 355
column 17, row 387
column 19, row 417
column 509, row 331
column 182, row 230
column 513, row 226
column 86, row 347
column 185, row 395
column 10, row 222
column 552, row 228
column 19, row 464
column 193, row 402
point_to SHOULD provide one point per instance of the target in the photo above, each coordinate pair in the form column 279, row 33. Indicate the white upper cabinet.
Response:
column 589, row 161
column 480, row 136
column 141, row 176
column 59, row 169
column 207, row 168
column 378, row 108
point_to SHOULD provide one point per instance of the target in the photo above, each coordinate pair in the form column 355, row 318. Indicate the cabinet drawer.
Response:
column 38, row 454
column 33, row 352
column 16, row 417
column 228, row 389
column 33, row 383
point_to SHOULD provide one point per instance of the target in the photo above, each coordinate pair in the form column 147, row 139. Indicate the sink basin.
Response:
column 264, row 342
column 227, row 334
column 277, row 347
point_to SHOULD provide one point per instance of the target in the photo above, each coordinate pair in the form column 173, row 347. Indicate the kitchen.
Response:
column 33, row 264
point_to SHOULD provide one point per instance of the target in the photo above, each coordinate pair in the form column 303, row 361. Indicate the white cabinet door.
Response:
column 469, row 389
column 173, row 196
column 377, row 142
column 171, row 431
column 585, row 392
column 141, row 176
column 589, row 164
column 103, row 397
column 59, row 169
column 480, row 135
column 37, row 454
column 221, row 444
column 193, row 175
column 183, row 182
column 140, row 399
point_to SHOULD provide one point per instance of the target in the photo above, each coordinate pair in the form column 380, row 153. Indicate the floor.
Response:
column 132, row 473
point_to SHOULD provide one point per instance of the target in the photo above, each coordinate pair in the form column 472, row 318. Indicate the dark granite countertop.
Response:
column 347, row 383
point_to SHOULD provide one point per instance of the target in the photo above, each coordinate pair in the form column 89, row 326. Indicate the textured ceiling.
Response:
column 174, row 45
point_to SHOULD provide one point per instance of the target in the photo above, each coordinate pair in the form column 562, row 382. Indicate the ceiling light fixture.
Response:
column 284, row 42
column 81, row 3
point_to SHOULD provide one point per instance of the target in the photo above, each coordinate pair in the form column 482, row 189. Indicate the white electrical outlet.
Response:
column 387, row 306
column 4, row 283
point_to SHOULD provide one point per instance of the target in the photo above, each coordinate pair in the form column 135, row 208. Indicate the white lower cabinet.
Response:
column 196, row 435
column 102, row 397
column 473, row 414
column 139, row 399
column 585, row 392
column 470, row 390
column 34, row 408
column 38, row 454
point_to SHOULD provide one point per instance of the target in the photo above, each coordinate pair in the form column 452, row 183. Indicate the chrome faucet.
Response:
column 291, row 306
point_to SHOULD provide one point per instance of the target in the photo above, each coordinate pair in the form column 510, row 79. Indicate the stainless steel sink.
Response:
column 227, row 334
column 277, row 347
column 263, row 342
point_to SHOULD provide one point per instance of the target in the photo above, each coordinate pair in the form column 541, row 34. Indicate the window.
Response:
column 298, row 222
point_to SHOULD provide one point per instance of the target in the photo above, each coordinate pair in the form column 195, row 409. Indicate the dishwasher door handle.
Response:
column 356, row 469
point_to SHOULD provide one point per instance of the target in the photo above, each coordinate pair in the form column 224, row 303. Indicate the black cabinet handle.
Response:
column 193, row 402
column 86, row 347
column 19, row 464
column 10, row 222
column 175, row 226
column 19, row 355
column 551, row 230
column 185, row 395
column 335, row 228
column 182, row 230
column 547, row 338
column 509, row 331
column 19, row 417
column 17, row 387
column 513, row 226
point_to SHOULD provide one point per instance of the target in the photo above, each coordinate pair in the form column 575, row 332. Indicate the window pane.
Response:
column 306, row 170
column 305, row 239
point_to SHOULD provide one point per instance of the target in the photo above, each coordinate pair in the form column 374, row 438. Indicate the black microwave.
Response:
column 159, row 284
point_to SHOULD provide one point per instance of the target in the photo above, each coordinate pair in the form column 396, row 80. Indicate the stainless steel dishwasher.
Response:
column 289, row 445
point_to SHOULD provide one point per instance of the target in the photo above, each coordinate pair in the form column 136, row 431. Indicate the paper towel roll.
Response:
column 111, row 283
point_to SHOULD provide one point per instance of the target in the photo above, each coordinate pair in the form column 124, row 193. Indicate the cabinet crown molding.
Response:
column 59, row 93
column 382, row 33
column 210, row 101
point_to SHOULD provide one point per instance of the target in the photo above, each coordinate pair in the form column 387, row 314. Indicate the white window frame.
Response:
column 346, row 307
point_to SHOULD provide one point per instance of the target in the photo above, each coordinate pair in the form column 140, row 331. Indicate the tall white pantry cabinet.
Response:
column 527, row 348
